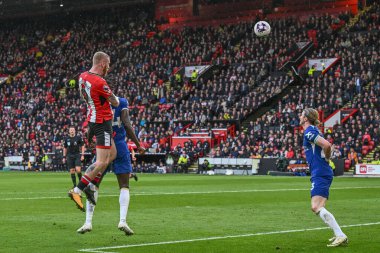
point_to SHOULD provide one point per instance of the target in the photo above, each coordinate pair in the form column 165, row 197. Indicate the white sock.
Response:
column 329, row 219
column 124, row 203
column 77, row 190
column 90, row 208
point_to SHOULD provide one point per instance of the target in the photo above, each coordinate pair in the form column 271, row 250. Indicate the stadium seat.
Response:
column 371, row 145
column 365, row 150
column 347, row 165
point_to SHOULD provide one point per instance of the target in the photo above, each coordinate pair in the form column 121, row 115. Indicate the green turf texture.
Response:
column 37, row 215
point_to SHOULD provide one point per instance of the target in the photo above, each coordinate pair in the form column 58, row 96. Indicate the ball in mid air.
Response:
column 262, row 28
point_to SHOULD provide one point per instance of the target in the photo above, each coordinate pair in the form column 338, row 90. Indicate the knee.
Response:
column 315, row 209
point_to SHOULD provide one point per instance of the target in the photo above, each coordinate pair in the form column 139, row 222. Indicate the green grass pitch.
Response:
column 187, row 213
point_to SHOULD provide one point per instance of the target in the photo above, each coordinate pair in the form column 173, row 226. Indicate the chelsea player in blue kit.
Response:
column 121, row 166
column 318, row 152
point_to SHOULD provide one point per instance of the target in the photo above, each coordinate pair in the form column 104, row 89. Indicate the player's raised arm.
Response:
column 114, row 101
column 128, row 127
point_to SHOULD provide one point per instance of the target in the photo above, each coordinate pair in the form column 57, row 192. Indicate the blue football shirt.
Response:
column 315, row 156
column 117, row 124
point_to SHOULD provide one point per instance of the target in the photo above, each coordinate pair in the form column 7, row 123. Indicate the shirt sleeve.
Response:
column 124, row 104
column 65, row 143
column 103, row 89
column 312, row 136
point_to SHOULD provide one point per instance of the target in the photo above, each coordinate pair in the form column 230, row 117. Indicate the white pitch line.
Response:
column 102, row 249
column 195, row 192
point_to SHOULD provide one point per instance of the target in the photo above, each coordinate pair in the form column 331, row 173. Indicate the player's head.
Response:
column 102, row 61
column 309, row 115
column 72, row 131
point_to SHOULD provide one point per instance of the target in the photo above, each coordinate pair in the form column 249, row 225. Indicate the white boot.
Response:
column 87, row 227
column 123, row 226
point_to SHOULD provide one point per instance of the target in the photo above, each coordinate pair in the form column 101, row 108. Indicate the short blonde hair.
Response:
column 98, row 57
column 312, row 115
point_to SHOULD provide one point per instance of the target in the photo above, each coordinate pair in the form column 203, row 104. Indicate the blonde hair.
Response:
column 98, row 57
column 312, row 115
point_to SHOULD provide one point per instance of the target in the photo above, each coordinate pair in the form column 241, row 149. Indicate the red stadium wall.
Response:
column 173, row 8
column 179, row 12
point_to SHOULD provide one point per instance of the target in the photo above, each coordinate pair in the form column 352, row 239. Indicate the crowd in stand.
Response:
column 36, row 109
column 16, row 40
column 33, row 110
column 241, row 86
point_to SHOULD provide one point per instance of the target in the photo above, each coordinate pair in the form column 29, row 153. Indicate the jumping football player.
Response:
column 122, row 167
column 99, row 98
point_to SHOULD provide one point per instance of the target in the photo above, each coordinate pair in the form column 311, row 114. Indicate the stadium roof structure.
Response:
column 21, row 8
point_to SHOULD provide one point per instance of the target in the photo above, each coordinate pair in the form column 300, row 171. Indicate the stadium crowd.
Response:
column 37, row 106
column 37, row 110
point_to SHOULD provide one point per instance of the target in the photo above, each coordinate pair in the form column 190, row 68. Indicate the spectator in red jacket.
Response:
column 290, row 153
column 366, row 138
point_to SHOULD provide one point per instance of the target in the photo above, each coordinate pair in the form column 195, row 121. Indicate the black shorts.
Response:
column 102, row 132
column 73, row 161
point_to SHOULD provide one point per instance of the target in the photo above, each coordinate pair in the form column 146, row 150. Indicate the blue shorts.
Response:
column 320, row 186
column 122, row 163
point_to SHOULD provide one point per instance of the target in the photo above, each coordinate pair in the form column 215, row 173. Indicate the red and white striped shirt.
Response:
column 95, row 91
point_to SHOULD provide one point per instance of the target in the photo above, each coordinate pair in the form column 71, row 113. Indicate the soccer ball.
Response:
column 262, row 28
